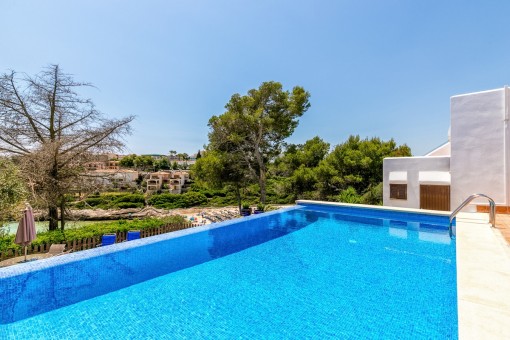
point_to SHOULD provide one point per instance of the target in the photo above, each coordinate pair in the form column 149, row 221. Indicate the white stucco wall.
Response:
column 413, row 166
column 479, row 143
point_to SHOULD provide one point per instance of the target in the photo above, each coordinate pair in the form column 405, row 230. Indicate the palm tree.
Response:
column 172, row 153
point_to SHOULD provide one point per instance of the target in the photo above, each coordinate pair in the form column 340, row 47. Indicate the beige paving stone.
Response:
column 481, row 322
column 483, row 279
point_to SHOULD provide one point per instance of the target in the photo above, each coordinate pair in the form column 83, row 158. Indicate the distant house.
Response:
column 173, row 182
column 155, row 156
column 102, row 162
column 112, row 165
column 476, row 159
column 178, row 181
column 157, row 181
column 92, row 166
column 190, row 161
column 113, row 178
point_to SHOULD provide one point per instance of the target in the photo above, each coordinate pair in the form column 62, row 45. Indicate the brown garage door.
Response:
column 435, row 197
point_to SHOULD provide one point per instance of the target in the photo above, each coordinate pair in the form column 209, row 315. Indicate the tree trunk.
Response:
column 238, row 196
column 53, row 218
column 62, row 213
column 262, row 184
column 262, row 175
column 52, row 199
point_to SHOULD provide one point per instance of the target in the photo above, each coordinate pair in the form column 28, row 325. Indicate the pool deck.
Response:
column 21, row 259
column 483, row 277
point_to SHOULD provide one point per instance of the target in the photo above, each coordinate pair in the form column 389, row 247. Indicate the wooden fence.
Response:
column 92, row 242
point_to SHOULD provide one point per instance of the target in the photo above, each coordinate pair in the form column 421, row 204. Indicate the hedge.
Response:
column 95, row 229
column 172, row 201
column 112, row 201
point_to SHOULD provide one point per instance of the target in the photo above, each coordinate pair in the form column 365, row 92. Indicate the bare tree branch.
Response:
column 53, row 131
column 25, row 112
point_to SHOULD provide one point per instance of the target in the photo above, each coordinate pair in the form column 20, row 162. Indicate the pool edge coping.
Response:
column 483, row 279
column 375, row 207
column 42, row 264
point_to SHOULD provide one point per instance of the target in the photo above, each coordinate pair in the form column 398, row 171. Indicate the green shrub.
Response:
column 50, row 237
column 7, row 242
column 79, row 205
column 349, row 195
column 108, row 198
column 112, row 201
column 132, row 198
column 163, row 200
column 94, row 201
column 222, row 201
column 173, row 201
column 70, row 198
column 374, row 195
column 191, row 199
column 126, row 205
column 212, row 193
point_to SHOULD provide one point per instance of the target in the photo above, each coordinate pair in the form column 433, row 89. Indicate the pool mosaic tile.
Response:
column 299, row 274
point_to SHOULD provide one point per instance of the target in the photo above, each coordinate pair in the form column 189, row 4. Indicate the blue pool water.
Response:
column 312, row 271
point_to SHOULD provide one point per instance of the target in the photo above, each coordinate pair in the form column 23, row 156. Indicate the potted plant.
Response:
column 246, row 210
column 259, row 209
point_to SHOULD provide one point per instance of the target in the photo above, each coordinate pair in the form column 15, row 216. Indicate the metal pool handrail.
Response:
column 492, row 211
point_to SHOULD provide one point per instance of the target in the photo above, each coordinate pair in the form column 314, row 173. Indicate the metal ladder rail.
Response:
column 492, row 211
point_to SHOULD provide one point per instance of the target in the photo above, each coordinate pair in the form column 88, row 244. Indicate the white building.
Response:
column 476, row 159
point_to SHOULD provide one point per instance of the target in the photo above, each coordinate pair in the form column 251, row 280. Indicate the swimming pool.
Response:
column 308, row 271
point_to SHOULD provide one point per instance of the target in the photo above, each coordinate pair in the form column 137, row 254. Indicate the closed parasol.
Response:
column 26, row 229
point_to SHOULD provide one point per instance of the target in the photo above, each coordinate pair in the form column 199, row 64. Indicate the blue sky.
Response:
column 373, row 68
